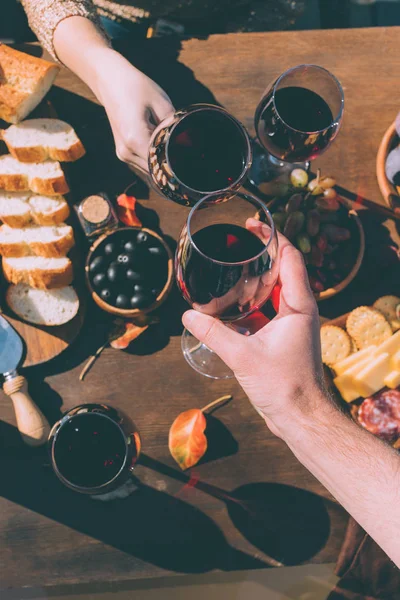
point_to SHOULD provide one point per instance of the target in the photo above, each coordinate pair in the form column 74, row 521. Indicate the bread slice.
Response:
column 42, row 178
column 43, row 307
column 36, row 240
column 39, row 272
column 17, row 209
column 37, row 140
column 24, row 81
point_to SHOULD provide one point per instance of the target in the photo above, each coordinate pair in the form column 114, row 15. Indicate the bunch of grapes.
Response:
column 312, row 218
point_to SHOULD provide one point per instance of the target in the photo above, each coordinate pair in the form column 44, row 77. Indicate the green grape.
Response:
column 299, row 178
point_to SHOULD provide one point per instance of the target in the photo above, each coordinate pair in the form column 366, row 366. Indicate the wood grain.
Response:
column 193, row 523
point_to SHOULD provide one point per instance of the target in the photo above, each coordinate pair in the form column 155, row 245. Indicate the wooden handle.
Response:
column 31, row 423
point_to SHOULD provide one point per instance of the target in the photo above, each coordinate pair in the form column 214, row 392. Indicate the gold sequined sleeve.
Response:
column 45, row 15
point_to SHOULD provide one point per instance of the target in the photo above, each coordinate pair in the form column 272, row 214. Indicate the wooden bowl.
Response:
column 332, row 291
column 388, row 190
column 135, row 312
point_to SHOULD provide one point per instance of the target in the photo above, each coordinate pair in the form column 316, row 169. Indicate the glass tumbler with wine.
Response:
column 223, row 268
column 297, row 119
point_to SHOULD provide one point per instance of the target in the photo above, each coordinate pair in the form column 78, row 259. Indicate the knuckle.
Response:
column 210, row 332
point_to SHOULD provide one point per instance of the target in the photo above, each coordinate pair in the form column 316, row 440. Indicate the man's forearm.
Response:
column 360, row 471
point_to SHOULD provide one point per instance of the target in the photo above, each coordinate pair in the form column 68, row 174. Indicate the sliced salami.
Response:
column 380, row 414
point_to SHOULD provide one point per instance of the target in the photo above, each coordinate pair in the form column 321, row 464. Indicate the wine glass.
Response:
column 197, row 151
column 297, row 119
column 93, row 450
column 223, row 268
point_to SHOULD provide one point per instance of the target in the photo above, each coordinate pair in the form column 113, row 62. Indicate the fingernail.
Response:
column 188, row 318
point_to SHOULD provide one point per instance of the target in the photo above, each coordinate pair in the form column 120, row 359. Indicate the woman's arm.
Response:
column 69, row 29
column 280, row 370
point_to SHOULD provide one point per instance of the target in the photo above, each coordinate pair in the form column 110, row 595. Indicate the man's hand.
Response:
column 280, row 366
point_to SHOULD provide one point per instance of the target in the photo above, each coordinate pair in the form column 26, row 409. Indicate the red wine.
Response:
column 211, row 274
column 207, row 151
column 296, row 124
column 89, row 450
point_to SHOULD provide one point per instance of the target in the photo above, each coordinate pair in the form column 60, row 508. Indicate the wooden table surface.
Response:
column 250, row 482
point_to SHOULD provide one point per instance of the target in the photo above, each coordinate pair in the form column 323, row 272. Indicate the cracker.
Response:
column 368, row 327
column 387, row 306
column 335, row 344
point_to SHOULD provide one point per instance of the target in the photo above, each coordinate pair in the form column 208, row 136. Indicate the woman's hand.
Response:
column 134, row 104
column 280, row 366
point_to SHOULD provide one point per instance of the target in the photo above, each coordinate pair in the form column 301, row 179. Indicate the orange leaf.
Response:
column 126, row 210
column 130, row 333
column 187, row 442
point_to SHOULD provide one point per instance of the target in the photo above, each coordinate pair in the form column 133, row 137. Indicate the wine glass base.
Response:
column 270, row 175
column 202, row 359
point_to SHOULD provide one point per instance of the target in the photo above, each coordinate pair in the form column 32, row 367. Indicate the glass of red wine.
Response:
column 93, row 449
column 298, row 118
column 223, row 268
column 197, row 151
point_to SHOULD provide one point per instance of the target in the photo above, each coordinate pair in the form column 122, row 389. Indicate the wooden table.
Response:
column 176, row 523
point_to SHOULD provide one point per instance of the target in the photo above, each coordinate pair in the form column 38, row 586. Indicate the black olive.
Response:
column 132, row 275
column 129, row 246
column 122, row 301
column 113, row 272
column 109, row 248
column 142, row 237
column 140, row 300
column 105, row 295
column 139, row 288
column 96, row 264
column 99, row 279
column 123, row 259
column 156, row 251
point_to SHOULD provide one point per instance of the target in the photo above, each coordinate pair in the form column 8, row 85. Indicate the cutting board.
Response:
column 44, row 343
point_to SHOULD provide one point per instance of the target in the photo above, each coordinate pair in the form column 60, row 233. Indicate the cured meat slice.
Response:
column 380, row 414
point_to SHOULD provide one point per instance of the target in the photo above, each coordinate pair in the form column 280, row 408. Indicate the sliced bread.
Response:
column 43, row 307
column 42, row 178
column 38, row 271
column 17, row 209
column 37, row 140
column 36, row 240
column 24, row 81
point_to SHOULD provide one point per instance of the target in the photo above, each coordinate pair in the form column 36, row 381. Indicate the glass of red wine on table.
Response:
column 297, row 119
column 225, row 267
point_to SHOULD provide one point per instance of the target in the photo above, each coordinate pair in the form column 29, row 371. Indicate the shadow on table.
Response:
column 287, row 524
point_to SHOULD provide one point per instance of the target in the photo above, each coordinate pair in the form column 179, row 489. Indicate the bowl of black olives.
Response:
column 129, row 271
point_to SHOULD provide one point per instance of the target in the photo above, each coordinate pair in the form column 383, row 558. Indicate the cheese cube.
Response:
column 392, row 380
column 345, row 382
column 391, row 345
column 342, row 366
column 396, row 361
column 371, row 378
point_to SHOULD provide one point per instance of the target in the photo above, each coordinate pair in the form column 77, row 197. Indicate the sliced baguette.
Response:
column 39, row 272
column 43, row 307
column 36, row 140
column 36, row 240
column 45, row 178
column 24, row 81
column 18, row 209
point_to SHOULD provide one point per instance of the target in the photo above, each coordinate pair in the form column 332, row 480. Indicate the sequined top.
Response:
column 45, row 15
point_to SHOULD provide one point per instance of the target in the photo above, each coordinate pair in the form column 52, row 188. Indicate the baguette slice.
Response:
column 36, row 140
column 39, row 272
column 43, row 307
column 18, row 209
column 24, row 81
column 42, row 178
column 36, row 240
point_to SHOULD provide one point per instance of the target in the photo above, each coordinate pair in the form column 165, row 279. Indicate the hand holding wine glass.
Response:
column 279, row 367
column 223, row 267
